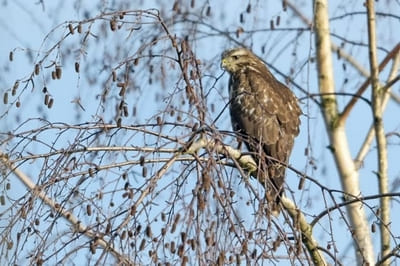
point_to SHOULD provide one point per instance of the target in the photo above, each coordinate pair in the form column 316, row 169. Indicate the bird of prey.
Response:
column 265, row 114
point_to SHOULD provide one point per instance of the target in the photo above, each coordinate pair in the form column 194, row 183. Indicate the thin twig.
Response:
column 69, row 216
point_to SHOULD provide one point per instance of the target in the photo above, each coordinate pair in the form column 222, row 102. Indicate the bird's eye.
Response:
column 236, row 57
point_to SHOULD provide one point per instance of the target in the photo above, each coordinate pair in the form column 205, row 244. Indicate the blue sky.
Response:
column 25, row 25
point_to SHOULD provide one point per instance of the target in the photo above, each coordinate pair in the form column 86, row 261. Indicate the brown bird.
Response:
column 266, row 114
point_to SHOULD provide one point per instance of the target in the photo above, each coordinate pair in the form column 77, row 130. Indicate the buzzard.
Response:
column 265, row 114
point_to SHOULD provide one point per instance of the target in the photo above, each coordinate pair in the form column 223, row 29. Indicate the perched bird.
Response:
column 265, row 114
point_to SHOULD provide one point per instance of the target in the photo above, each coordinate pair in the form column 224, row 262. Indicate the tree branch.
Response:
column 387, row 93
column 69, row 216
column 379, row 132
column 337, row 134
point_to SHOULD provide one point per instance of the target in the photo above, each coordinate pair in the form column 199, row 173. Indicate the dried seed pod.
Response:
column 278, row 20
column 201, row 202
column 173, row 248
column 46, row 99
column 177, row 217
column 141, row 160
column 51, row 101
column 119, row 122
column 136, row 61
column 37, row 69
column 220, row 183
column 108, row 229
column 284, row 5
column 185, row 260
column 373, row 228
column 122, row 91
column 301, row 183
column 149, row 234
column 114, row 76
column 53, row 75
column 113, row 24
column 144, row 171
column 91, row 172
column 276, row 244
column 58, row 72
column 163, row 231
column 208, row 11
column 133, row 210
column 89, row 210
column 11, row 56
column 271, row 24
column 5, row 98
column 183, row 237
column 192, row 2
column 44, row 90
column 192, row 244
column 141, row 247
column 37, row 222
column 163, row 217
column 175, row 7
column 2, row 200
column 71, row 28
column 239, row 31
column 208, row 241
column 241, row 18
column 181, row 249
column 248, row 9
column 18, row 104
column 8, row 186
column 77, row 67
column 125, row 111
column 206, row 181
column 15, row 87
column 159, row 121
column 79, row 28
column 121, row 105
column 123, row 235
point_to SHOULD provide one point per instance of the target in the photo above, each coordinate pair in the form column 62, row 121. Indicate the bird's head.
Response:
column 237, row 59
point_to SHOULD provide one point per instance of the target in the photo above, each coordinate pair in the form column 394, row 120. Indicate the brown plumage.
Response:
column 266, row 114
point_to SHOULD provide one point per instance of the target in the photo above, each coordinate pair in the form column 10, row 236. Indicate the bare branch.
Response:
column 69, row 216
column 377, row 97
column 336, row 131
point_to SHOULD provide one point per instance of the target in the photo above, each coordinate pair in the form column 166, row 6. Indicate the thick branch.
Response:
column 337, row 135
column 379, row 132
column 247, row 162
column 306, row 231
